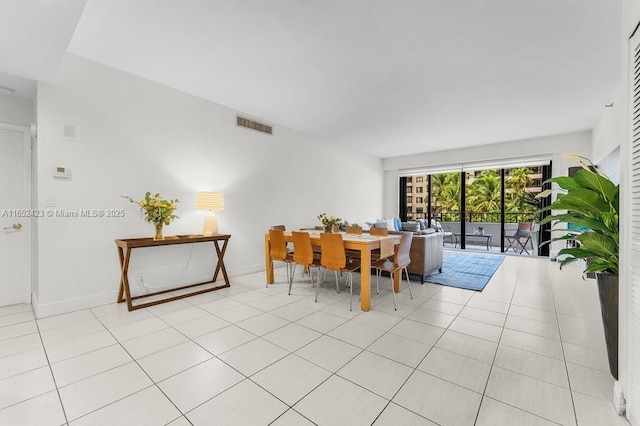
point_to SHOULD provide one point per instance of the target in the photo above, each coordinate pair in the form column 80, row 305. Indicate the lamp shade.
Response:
column 213, row 201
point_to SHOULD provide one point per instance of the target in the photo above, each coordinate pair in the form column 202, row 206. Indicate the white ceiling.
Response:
column 387, row 77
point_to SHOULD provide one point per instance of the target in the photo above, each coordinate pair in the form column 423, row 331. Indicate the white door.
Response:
column 15, row 215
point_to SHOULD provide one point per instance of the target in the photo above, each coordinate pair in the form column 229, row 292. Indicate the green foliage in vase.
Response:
column 156, row 209
column 328, row 222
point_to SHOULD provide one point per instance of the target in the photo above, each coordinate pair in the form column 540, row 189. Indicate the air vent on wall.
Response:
column 254, row 125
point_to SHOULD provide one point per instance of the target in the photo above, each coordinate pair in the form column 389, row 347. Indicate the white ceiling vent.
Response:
column 254, row 125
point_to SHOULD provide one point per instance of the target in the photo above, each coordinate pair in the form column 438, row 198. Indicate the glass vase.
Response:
column 158, row 236
column 328, row 228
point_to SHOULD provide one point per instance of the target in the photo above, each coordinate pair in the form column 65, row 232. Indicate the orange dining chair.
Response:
column 382, row 232
column 281, row 228
column 334, row 258
column 400, row 262
column 353, row 229
column 303, row 255
column 278, row 251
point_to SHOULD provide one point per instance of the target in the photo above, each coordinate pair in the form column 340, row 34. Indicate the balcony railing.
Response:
column 486, row 217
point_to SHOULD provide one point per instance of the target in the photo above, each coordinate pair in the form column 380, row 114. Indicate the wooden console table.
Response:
column 124, row 252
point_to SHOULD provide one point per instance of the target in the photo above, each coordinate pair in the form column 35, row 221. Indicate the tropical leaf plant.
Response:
column 590, row 201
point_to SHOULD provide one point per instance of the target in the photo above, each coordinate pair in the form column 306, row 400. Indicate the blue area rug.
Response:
column 466, row 270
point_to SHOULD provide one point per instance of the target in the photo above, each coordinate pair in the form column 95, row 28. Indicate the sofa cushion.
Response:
column 411, row 226
column 437, row 226
column 422, row 223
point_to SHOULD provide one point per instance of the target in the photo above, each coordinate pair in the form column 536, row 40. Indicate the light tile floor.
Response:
column 529, row 349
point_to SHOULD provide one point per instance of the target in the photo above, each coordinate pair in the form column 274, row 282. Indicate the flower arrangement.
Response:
column 156, row 210
column 328, row 222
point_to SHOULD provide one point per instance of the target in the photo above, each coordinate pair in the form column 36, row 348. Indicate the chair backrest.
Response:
column 402, row 258
column 387, row 247
column 333, row 254
column 379, row 231
column 524, row 229
column 353, row 229
column 278, row 244
column 279, row 228
column 302, row 248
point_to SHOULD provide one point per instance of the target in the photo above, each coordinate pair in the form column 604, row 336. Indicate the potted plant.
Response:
column 592, row 203
column 156, row 210
column 329, row 223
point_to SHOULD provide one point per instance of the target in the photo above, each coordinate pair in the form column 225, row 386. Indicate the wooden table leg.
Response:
column 365, row 279
column 268, row 260
column 220, row 265
column 121, row 288
column 124, row 280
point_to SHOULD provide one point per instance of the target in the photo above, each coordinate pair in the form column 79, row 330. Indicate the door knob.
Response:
column 16, row 226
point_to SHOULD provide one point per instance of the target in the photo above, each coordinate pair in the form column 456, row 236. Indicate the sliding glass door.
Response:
column 481, row 207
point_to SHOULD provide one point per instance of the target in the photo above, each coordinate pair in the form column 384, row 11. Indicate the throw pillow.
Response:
column 398, row 223
column 422, row 223
column 391, row 224
column 411, row 226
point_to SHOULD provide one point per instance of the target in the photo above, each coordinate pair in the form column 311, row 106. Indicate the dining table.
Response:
column 364, row 243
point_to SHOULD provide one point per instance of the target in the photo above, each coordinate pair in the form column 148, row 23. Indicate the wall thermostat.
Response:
column 61, row 172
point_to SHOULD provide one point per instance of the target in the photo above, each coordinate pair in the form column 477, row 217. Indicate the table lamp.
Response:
column 212, row 202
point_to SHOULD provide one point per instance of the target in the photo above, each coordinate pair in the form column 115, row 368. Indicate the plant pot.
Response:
column 608, row 292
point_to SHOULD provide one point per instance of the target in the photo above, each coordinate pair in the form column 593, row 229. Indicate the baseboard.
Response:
column 619, row 402
column 66, row 306
column 245, row 270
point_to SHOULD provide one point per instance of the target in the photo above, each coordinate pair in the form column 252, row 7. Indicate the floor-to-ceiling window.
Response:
column 483, row 205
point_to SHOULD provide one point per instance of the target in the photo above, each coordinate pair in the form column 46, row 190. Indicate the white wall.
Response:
column 554, row 146
column 610, row 131
column 136, row 136
column 16, row 111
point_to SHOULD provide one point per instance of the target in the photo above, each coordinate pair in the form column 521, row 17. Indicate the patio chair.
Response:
column 519, row 240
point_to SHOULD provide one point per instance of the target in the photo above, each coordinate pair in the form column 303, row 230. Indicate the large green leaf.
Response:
column 582, row 200
column 578, row 253
column 596, row 182
column 599, row 244
column 599, row 266
column 591, row 223
column 567, row 261
column 564, row 182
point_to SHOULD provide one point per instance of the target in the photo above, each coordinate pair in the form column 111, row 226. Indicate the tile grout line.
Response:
column 53, row 377
column 564, row 358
